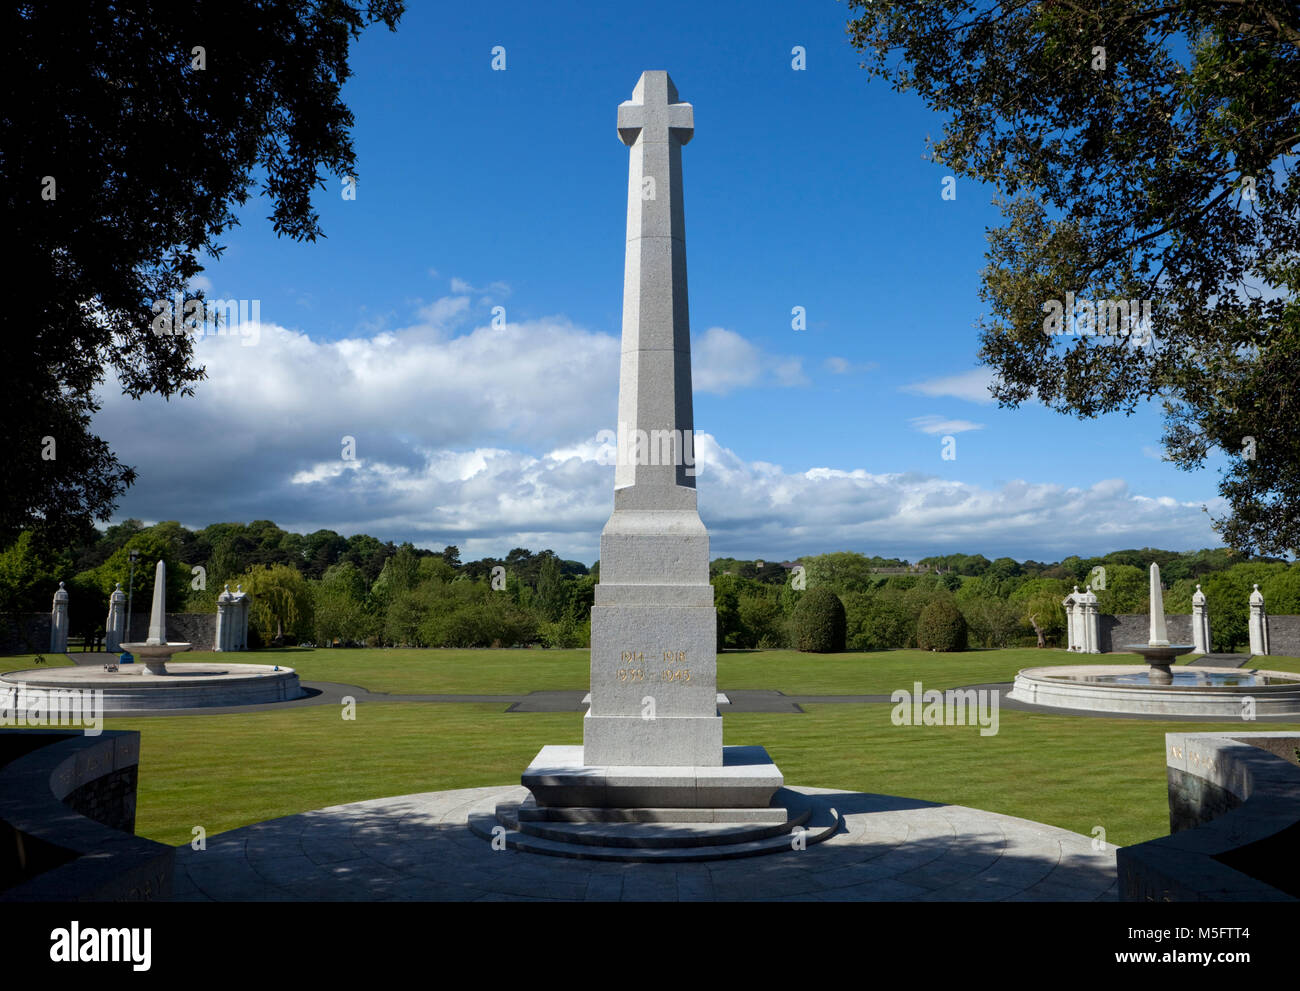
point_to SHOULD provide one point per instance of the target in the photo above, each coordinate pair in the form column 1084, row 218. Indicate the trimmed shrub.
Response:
column 941, row 626
column 819, row 624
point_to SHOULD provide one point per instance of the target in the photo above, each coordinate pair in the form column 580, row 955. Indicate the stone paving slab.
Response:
column 420, row 848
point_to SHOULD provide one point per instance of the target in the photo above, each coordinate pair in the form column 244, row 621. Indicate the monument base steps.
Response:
column 653, row 813
column 645, row 837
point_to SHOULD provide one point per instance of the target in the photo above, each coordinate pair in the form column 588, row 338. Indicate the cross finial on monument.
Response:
column 655, row 468
column 655, row 112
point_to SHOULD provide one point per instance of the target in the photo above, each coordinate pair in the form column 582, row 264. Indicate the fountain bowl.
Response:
column 194, row 685
column 154, row 656
column 1131, row 688
column 1160, row 656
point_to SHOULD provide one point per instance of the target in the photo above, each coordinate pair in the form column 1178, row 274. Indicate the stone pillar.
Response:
column 1089, row 640
column 224, row 624
column 115, row 626
column 1258, row 623
column 1200, row 622
column 1071, row 603
column 59, row 622
column 239, row 626
column 653, row 624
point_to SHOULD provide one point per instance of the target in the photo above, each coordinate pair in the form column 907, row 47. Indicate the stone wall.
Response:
column 197, row 628
column 1233, row 832
column 109, row 800
column 25, row 633
column 1115, row 631
column 63, row 801
column 1283, row 635
column 29, row 633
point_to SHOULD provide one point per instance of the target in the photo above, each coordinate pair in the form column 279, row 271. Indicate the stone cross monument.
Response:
column 652, row 738
column 654, row 626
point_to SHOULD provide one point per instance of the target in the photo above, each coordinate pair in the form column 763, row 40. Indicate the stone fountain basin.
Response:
column 184, row 686
column 1072, row 687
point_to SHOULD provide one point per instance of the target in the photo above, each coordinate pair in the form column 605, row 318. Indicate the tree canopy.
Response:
column 1144, row 149
column 137, row 130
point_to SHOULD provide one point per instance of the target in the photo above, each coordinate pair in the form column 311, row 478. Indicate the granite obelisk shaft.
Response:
column 653, row 625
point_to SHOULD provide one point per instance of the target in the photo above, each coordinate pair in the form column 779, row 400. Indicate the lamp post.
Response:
column 130, row 590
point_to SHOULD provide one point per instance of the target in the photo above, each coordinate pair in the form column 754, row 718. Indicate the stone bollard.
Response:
column 1089, row 641
column 1200, row 622
column 1071, row 604
column 239, row 626
column 224, row 621
column 59, row 622
column 1258, row 623
column 115, row 626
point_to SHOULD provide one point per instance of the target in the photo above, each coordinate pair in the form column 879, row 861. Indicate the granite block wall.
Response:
column 24, row 633
column 197, row 628
column 1283, row 635
column 1115, row 631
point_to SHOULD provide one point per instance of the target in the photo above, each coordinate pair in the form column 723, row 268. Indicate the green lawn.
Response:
column 20, row 662
column 225, row 771
column 514, row 672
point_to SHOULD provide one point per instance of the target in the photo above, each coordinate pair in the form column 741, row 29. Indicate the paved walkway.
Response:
column 1224, row 661
column 419, row 848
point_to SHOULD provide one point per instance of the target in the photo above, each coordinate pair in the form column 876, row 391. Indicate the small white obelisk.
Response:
column 1159, row 635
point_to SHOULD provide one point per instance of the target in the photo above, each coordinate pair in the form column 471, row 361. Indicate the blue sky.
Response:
column 481, row 188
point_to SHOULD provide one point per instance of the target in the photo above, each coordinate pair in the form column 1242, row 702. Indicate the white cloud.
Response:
column 842, row 366
column 488, row 440
column 972, row 386
column 931, row 424
column 722, row 360
column 445, row 312
column 494, row 288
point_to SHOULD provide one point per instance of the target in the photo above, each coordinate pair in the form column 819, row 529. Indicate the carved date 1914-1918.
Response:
column 634, row 668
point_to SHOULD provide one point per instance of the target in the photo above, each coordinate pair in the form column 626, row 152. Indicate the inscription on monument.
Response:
column 634, row 667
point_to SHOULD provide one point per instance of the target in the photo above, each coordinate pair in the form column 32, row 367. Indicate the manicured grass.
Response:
column 517, row 672
column 21, row 662
column 427, row 672
column 514, row 672
column 1074, row 772
column 1277, row 663
column 881, row 672
column 226, row 771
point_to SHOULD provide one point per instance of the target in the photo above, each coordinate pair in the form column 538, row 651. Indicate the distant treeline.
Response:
column 325, row 588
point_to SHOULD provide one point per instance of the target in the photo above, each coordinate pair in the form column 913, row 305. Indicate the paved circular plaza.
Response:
column 420, row 848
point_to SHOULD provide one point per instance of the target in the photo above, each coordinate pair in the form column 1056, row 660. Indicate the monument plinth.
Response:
column 652, row 739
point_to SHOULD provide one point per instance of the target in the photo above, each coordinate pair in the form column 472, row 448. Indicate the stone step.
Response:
column 483, row 822
column 530, row 811
column 645, row 835
column 482, row 826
